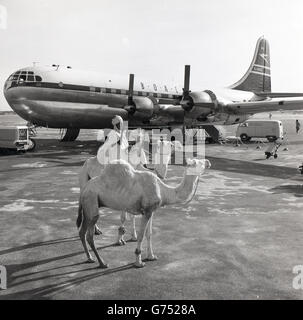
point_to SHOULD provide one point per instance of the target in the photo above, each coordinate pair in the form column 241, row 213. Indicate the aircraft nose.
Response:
column 8, row 83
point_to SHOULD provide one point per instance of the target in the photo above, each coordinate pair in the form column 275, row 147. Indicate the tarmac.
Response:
column 239, row 238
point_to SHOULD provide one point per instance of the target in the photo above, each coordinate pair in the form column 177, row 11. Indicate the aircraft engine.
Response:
column 141, row 108
column 144, row 108
column 200, row 104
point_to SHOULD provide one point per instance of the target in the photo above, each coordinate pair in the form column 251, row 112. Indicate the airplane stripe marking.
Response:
column 260, row 73
column 72, row 87
column 260, row 66
column 258, row 69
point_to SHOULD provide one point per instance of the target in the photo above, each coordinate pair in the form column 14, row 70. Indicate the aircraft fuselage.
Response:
column 60, row 97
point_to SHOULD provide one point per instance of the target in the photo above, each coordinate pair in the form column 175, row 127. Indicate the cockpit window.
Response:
column 25, row 76
column 13, row 77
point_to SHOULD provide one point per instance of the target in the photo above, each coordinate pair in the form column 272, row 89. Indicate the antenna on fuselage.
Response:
column 56, row 65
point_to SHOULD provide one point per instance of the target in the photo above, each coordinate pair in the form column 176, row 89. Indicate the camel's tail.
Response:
column 80, row 215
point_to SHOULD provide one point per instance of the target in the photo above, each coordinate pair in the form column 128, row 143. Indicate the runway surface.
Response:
column 239, row 238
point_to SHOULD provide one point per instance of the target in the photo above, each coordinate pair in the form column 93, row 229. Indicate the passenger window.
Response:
column 38, row 78
column 30, row 78
column 22, row 77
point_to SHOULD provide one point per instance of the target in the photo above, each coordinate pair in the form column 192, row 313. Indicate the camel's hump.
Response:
column 119, row 169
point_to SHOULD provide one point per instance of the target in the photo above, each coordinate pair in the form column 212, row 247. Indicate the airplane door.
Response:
column 92, row 91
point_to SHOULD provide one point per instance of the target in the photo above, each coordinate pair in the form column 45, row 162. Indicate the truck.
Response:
column 269, row 129
column 16, row 138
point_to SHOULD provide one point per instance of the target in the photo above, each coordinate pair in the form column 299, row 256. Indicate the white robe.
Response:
column 111, row 150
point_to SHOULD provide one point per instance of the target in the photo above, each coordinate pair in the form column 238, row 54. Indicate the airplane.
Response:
column 60, row 97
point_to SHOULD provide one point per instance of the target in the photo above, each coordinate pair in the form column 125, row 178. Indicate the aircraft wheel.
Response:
column 245, row 137
column 32, row 145
column 71, row 134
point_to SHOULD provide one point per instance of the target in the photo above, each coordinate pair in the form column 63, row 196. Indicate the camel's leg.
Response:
column 84, row 177
column 90, row 239
column 121, row 229
column 133, row 232
column 144, row 220
column 97, row 230
column 82, row 234
column 149, row 231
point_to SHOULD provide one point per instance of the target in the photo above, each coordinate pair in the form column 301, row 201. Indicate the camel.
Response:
column 121, row 187
column 92, row 168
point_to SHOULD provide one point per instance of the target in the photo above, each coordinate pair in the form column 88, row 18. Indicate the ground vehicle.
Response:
column 270, row 129
column 16, row 138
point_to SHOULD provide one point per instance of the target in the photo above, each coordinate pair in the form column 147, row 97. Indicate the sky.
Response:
column 154, row 39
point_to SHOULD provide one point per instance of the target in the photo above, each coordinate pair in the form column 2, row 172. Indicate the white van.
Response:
column 16, row 138
column 270, row 129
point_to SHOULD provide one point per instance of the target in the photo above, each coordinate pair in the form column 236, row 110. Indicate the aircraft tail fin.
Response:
column 257, row 78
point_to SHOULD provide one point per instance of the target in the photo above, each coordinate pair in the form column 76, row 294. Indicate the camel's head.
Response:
column 197, row 166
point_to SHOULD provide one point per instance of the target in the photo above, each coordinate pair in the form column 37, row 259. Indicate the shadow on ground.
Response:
column 296, row 189
column 15, row 279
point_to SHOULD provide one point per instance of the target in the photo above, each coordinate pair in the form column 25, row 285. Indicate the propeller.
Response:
column 131, row 89
column 197, row 103
column 131, row 108
column 140, row 107
column 186, row 101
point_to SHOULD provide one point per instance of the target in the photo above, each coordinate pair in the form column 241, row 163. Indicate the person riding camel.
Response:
column 115, row 147
column 116, row 144
column 136, row 155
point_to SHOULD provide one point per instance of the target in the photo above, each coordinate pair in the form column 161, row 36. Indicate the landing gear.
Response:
column 71, row 134
column 32, row 145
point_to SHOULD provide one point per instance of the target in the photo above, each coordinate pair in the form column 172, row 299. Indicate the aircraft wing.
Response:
column 279, row 94
column 270, row 104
